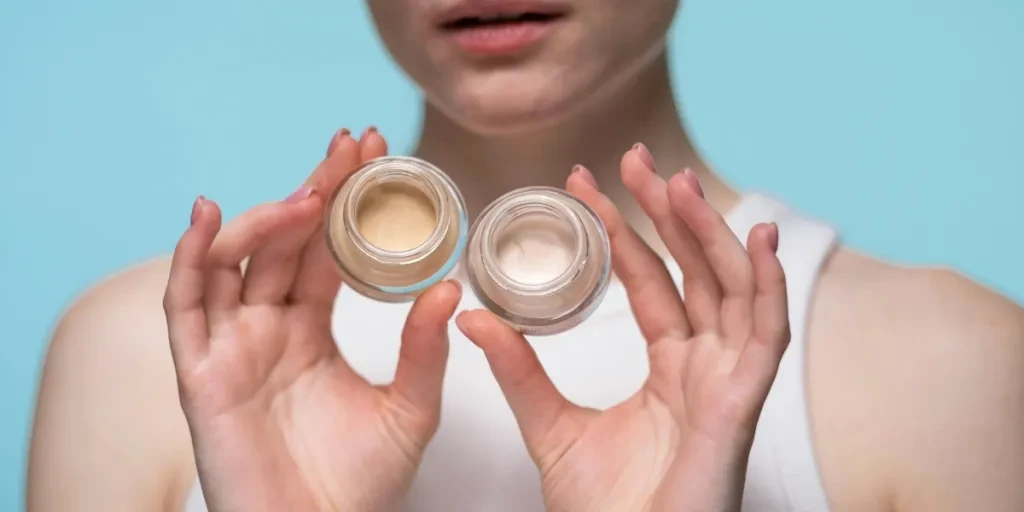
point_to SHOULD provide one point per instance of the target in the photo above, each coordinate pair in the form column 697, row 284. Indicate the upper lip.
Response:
column 490, row 9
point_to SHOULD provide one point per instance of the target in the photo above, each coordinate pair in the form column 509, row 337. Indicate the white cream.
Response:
column 535, row 249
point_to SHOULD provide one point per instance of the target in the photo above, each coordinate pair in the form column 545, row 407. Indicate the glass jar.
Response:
column 539, row 259
column 396, row 226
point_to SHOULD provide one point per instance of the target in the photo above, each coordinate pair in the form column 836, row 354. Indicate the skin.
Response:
column 278, row 419
column 681, row 442
column 915, row 376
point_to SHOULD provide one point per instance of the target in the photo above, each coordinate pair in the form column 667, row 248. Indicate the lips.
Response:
column 500, row 28
column 498, row 20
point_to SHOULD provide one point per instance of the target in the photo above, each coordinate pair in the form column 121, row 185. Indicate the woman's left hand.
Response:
column 682, row 441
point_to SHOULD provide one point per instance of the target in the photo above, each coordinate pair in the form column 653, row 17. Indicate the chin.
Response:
column 509, row 102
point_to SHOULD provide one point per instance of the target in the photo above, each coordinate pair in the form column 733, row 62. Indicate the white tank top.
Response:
column 477, row 460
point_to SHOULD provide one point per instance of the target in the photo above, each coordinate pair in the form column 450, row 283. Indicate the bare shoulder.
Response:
column 109, row 433
column 940, row 300
column 916, row 388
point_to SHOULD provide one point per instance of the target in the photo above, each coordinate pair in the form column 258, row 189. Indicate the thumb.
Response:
column 533, row 398
column 424, row 352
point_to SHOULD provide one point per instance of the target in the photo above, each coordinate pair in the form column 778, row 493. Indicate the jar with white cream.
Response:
column 539, row 259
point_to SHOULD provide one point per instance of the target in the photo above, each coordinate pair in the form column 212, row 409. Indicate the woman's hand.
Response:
column 682, row 442
column 278, row 420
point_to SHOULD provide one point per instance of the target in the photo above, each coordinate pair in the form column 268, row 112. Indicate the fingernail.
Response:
column 457, row 284
column 459, row 321
column 645, row 155
column 302, row 193
column 585, row 173
column 691, row 178
column 338, row 135
column 195, row 209
column 369, row 129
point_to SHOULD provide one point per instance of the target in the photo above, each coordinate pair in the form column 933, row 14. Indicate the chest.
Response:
column 477, row 460
column 599, row 363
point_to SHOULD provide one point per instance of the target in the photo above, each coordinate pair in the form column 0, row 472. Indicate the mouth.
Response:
column 498, row 20
column 500, row 28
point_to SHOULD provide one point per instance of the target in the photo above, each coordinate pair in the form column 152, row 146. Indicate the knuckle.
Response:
column 168, row 302
column 182, row 245
column 613, row 222
column 733, row 407
column 738, row 411
column 785, row 335
column 262, row 229
column 780, row 274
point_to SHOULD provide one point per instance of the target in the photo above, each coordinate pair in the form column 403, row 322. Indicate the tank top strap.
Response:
column 782, row 473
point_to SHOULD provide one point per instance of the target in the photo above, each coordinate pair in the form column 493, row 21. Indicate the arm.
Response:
column 109, row 433
column 958, row 409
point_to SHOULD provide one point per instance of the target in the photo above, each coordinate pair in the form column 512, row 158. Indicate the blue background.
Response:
column 899, row 121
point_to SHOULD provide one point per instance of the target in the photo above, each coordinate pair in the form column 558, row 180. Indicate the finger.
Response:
column 328, row 173
column 372, row 144
column 239, row 239
column 424, row 352
column 535, row 402
column 338, row 135
column 317, row 280
column 759, row 361
column 702, row 295
column 653, row 296
column 724, row 252
column 272, row 267
column 183, row 298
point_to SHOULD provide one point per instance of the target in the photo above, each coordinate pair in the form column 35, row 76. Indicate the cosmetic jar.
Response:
column 396, row 226
column 539, row 259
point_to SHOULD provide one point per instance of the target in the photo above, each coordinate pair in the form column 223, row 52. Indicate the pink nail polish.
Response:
column 369, row 129
column 587, row 176
column 691, row 178
column 338, row 135
column 299, row 195
column 645, row 155
column 773, row 236
column 196, row 205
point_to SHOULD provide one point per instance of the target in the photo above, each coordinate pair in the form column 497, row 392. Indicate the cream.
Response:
column 535, row 249
column 395, row 217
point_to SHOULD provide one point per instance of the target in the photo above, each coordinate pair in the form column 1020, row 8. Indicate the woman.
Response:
column 900, row 388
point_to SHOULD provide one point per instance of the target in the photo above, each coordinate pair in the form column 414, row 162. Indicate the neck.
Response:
column 643, row 110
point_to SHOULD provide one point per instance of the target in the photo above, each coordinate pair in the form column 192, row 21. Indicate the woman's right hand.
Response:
column 279, row 421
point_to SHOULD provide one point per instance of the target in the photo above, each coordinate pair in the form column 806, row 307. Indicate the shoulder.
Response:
column 123, row 290
column 116, row 326
column 940, row 300
column 108, row 424
column 935, row 315
column 925, row 370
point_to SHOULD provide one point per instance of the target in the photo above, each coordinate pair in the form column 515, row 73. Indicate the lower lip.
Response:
column 506, row 39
